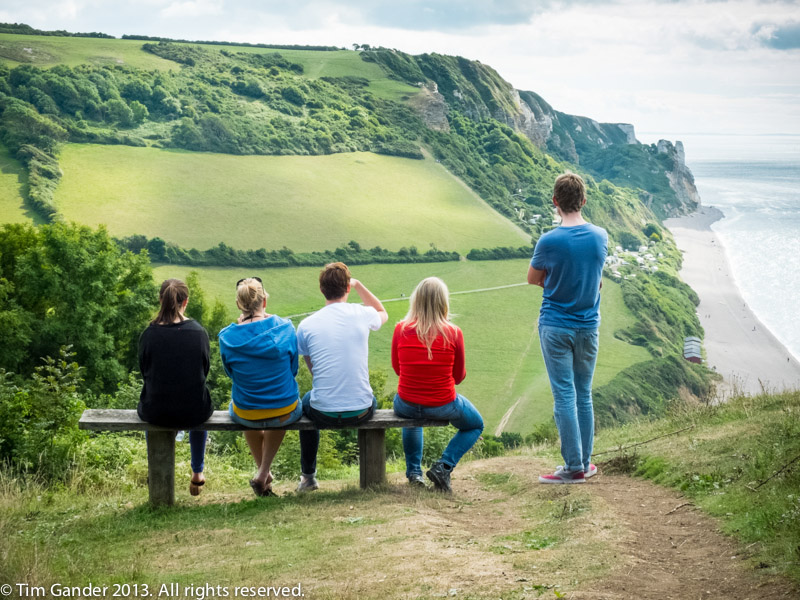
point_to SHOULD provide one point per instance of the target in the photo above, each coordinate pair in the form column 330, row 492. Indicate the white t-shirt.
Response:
column 335, row 338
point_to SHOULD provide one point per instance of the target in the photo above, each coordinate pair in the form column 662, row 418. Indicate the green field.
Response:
column 504, row 361
column 342, row 63
column 48, row 51
column 13, row 182
column 302, row 202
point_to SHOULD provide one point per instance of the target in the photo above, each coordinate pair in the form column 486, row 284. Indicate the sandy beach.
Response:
column 737, row 344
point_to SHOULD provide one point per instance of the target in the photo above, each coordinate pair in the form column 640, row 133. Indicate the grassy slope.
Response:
column 499, row 536
column 51, row 50
column 719, row 457
column 48, row 51
column 503, row 358
column 13, row 181
column 342, row 63
column 304, row 203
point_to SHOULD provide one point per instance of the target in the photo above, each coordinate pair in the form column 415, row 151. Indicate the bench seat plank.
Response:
column 116, row 419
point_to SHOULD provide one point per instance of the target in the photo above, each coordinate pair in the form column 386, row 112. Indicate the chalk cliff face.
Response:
column 432, row 107
column 680, row 179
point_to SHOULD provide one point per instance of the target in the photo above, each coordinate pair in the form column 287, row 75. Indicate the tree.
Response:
column 69, row 284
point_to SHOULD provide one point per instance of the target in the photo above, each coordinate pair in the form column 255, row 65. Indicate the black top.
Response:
column 174, row 360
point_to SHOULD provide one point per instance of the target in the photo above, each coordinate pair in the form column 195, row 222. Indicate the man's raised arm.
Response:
column 369, row 299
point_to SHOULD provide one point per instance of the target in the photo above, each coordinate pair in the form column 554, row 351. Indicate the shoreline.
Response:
column 738, row 345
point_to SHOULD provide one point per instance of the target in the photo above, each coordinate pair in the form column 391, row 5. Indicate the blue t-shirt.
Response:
column 573, row 259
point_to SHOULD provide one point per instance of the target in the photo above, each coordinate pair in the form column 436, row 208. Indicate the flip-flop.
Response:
column 262, row 491
column 195, row 487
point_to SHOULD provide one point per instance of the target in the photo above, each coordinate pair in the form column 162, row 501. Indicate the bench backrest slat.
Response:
column 115, row 419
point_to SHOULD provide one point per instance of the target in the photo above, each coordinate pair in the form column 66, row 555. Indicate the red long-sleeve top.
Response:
column 423, row 380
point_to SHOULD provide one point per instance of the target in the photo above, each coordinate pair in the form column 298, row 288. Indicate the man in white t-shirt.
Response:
column 334, row 343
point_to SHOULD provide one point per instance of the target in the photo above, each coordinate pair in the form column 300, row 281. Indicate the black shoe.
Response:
column 439, row 474
column 416, row 480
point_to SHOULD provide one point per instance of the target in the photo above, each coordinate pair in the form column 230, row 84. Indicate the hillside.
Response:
column 286, row 152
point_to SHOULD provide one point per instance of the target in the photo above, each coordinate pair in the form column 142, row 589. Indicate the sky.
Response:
column 666, row 66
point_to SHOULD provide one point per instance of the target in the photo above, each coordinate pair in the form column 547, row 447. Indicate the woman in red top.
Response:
column 428, row 355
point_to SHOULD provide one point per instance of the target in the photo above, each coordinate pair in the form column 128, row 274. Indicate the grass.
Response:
column 727, row 464
column 13, row 186
column 343, row 63
column 302, row 202
column 504, row 363
column 48, row 51
column 485, row 543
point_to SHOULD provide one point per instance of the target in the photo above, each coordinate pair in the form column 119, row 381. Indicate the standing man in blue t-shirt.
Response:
column 568, row 264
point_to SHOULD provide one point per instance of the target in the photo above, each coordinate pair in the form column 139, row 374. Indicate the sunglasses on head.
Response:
column 258, row 279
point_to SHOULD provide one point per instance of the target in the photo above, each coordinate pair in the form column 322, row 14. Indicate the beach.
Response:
column 738, row 346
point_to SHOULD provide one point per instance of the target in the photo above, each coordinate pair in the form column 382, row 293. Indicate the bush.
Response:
column 39, row 418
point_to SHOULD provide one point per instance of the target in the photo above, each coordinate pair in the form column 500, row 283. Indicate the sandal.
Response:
column 261, row 490
column 195, row 487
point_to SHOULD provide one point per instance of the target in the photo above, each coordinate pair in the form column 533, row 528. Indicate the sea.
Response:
column 755, row 181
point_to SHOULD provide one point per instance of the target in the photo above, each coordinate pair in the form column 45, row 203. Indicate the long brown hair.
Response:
column 172, row 295
column 429, row 312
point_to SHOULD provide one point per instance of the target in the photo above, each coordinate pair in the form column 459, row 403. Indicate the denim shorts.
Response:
column 271, row 423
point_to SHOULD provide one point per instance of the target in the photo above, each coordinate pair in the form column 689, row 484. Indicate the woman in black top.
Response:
column 174, row 360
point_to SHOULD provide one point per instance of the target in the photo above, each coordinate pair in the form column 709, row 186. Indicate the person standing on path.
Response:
column 568, row 264
column 334, row 343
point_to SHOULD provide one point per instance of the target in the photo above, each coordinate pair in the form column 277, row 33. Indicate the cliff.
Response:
column 604, row 150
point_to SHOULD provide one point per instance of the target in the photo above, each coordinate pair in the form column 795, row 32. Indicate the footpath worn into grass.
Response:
column 501, row 535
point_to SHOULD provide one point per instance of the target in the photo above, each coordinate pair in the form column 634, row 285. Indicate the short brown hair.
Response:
column 333, row 280
column 570, row 192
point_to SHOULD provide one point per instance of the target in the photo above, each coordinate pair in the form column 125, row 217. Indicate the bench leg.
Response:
column 161, row 467
column 372, row 456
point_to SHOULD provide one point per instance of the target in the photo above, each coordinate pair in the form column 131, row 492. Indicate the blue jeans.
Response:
column 309, row 438
column 570, row 356
column 461, row 415
column 197, row 449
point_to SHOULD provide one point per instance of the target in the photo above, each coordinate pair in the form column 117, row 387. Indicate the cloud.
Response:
column 444, row 15
column 778, row 37
column 192, row 8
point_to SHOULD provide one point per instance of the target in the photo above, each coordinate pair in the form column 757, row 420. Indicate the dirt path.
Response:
column 672, row 550
column 625, row 538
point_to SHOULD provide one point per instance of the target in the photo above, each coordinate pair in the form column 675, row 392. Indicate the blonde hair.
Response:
column 429, row 312
column 250, row 296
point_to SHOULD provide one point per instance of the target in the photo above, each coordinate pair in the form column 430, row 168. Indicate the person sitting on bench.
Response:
column 174, row 361
column 259, row 353
column 334, row 343
column 428, row 356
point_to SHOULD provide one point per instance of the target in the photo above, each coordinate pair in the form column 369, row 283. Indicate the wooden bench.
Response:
column 161, row 443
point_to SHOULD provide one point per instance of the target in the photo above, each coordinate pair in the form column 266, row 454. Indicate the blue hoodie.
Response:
column 261, row 359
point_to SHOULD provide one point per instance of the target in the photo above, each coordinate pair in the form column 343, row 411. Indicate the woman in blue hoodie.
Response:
column 259, row 353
